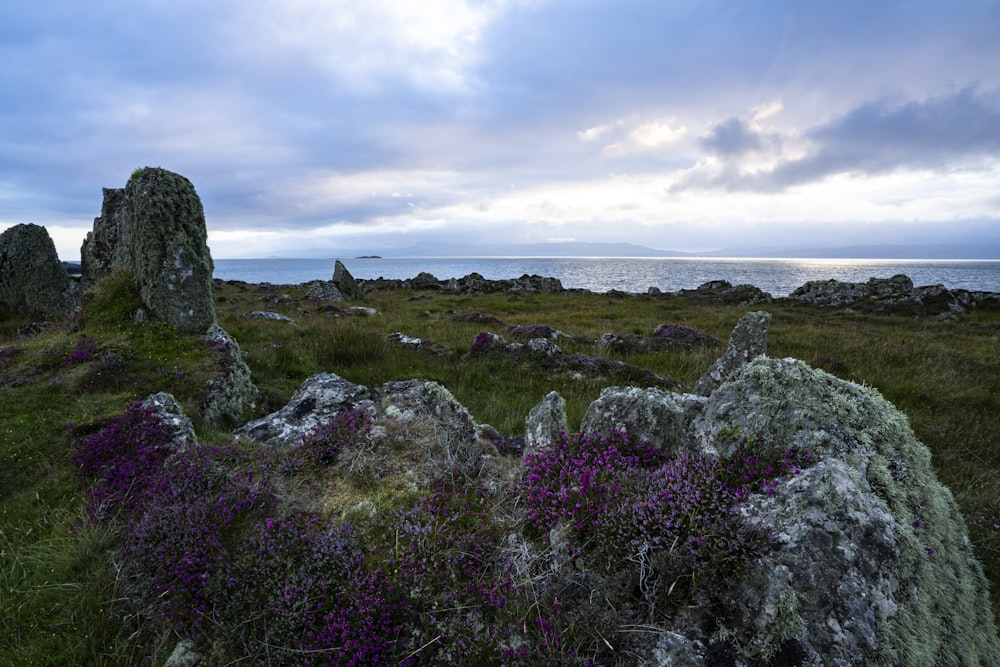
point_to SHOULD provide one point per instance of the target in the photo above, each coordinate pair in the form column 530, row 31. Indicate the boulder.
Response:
column 546, row 423
column 155, row 230
column 722, row 291
column 317, row 400
column 345, row 282
column 324, row 290
column 232, row 394
column 888, row 295
column 166, row 408
column 32, row 280
column 748, row 340
column 651, row 415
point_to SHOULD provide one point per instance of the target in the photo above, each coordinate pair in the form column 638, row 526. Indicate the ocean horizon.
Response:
column 778, row 277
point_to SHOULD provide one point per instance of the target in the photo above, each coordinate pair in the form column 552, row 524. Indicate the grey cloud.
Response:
column 880, row 137
column 732, row 137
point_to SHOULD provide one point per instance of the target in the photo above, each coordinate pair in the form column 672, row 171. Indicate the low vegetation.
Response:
column 99, row 566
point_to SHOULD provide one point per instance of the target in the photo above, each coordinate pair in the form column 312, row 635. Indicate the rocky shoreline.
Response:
column 896, row 295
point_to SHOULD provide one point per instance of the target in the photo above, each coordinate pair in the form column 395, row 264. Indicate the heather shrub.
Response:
column 177, row 548
column 123, row 459
column 347, row 431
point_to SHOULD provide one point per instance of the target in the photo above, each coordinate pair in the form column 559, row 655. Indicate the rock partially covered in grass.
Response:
column 32, row 280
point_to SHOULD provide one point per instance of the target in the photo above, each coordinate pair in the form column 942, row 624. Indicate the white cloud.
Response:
column 431, row 44
column 631, row 135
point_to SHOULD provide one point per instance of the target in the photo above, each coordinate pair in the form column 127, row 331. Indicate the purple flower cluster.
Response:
column 346, row 431
column 124, row 460
column 578, row 477
column 7, row 353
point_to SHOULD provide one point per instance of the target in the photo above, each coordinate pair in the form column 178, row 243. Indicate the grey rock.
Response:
column 185, row 654
column 317, row 400
column 345, row 282
column 163, row 243
column 323, row 290
column 169, row 412
column 268, row 315
column 871, row 562
column 32, row 280
column 100, row 253
column 651, row 415
column 233, row 394
column 748, row 340
column 546, row 423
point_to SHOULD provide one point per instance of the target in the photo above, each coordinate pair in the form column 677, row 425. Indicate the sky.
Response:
column 332, row 127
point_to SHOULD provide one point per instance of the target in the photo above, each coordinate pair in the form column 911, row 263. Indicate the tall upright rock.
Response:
column 32, row 280
column 155, row 229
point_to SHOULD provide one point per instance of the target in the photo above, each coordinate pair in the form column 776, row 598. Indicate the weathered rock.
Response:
column 322, row 290
column 652, row 415
column 317, row 400
column 185, row 654
column 473, row 283
column 748, row 340
column 721, row 291
column 679, row 335
column 233, row 394
column 546, row 423
column 345, row 282
column 432, row 347
column 268, row 315
column 889, row 295
column 163, row 244
column 102, row 252
column 525, row 332
column 166, row 408
column 32, row 280
column 549, row 355
column 424, row 419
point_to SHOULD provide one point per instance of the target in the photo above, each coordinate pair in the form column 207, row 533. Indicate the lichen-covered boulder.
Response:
column 546, row 423
column 748, row 340
column 647, row 414
column 870, row 562
column 163, row 242
column 233, row 394
column 32, row 280
column 317, row 400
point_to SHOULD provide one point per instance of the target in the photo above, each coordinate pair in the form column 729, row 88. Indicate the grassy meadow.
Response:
column 59, row 590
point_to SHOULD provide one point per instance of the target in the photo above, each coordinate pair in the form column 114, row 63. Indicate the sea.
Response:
column 777, row 277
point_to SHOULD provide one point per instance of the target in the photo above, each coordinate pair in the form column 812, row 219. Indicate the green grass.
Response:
column 57, row 578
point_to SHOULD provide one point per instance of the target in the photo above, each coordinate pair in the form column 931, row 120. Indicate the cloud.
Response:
column 631, row 135
column 936, row 133
column 732, row 137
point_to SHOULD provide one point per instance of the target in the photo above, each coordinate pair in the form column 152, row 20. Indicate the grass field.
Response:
column 59, row 584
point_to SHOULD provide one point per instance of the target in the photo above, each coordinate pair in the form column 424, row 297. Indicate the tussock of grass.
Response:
column 57, row 580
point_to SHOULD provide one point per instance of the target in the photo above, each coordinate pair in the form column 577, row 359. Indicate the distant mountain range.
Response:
column 584, row 249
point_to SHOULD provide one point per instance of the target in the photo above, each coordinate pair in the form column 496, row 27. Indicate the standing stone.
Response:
column 100, row 247
column 163, row 243
column 748, row 340
column 345, row 282
column 32, row 280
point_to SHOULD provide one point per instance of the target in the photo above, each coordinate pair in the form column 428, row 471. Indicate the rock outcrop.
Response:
column 473, row 283
column 32, row 280
column 892, row 295
column 155, row 230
